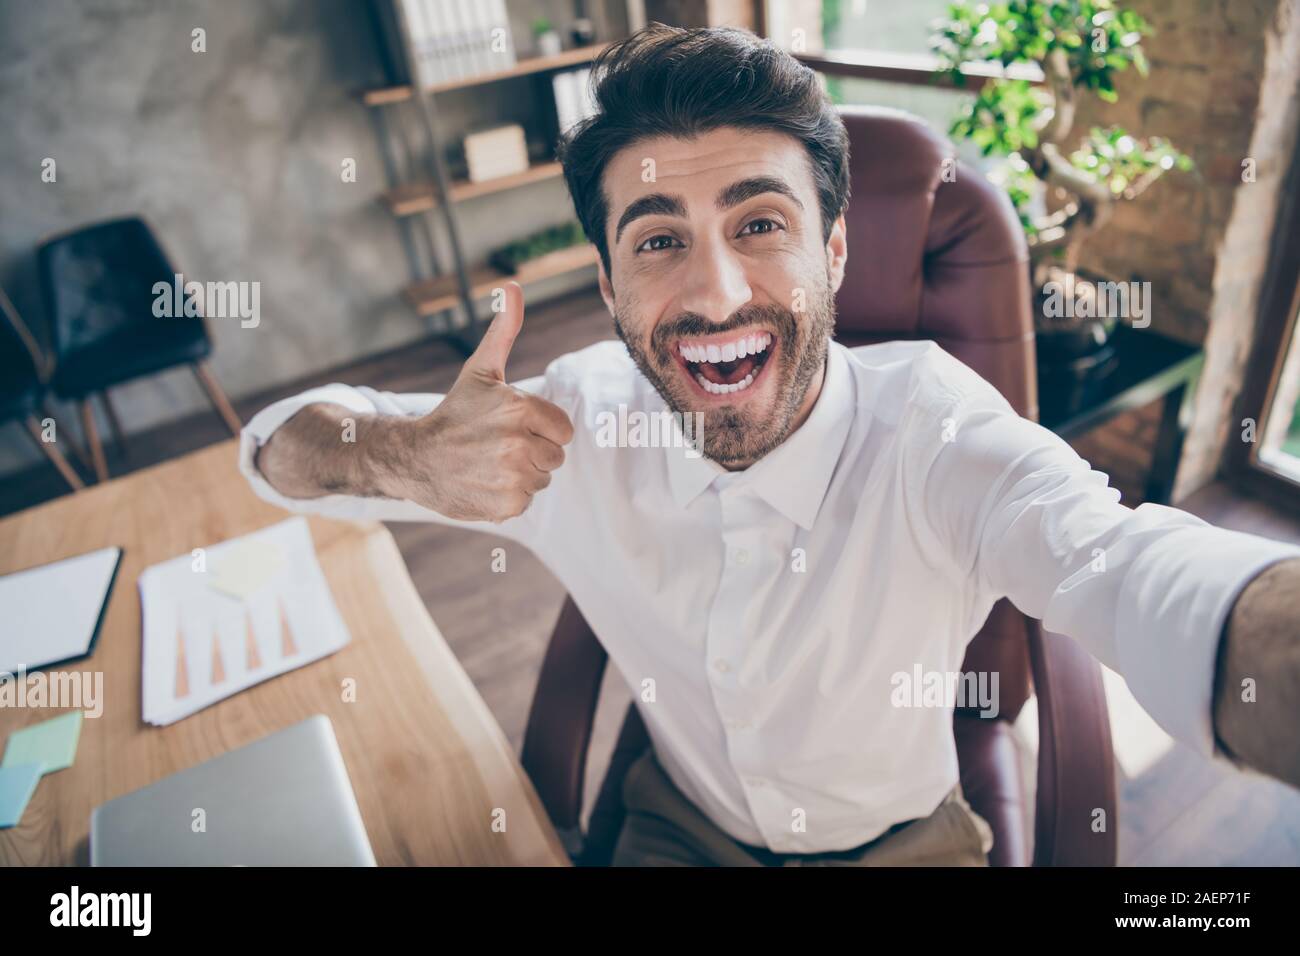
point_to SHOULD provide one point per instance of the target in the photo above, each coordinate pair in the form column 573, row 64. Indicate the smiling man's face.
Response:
column 722, row 282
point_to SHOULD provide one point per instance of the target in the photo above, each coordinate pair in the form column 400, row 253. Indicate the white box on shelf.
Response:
column 493, row 153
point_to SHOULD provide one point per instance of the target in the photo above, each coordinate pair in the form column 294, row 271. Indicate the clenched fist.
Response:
column 488, row 447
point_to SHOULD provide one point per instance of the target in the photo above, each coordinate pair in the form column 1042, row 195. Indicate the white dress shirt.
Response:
column 768, row 620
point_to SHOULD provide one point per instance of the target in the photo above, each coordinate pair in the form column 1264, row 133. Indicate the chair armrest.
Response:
column 1076, row 764
column 608, row 812
column 562, row 716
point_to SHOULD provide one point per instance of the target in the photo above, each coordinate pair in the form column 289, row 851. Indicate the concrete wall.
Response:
column 234, row 155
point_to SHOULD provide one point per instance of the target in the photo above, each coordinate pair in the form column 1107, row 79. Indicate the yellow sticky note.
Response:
column 247, row 567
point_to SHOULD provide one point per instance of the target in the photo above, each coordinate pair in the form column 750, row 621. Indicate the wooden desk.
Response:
column 427, row 761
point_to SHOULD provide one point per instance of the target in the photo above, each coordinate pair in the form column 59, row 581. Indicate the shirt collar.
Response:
column 793, row 477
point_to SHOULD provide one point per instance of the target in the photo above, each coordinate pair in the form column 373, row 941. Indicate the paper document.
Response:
column 232, row 615
column 50, row 614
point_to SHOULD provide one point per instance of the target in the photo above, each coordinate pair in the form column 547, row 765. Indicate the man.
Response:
column 854, row 517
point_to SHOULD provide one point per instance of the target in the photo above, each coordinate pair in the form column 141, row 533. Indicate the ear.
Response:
column 837, row 253
column 606, row 288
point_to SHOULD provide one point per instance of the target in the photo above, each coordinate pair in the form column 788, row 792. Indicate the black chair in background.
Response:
column 22, row 386
column 98, row 283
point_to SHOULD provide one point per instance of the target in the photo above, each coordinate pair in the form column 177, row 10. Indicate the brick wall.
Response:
column 1223, row 86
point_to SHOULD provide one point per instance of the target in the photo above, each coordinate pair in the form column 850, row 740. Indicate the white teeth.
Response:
column 713, row 388
column 731, row 351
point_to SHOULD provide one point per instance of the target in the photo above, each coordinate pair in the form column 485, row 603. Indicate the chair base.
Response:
column 33, row 428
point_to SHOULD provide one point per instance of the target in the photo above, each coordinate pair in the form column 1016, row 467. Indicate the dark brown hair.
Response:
column 675, row 82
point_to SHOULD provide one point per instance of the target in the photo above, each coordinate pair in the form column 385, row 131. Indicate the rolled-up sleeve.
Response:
column 1146, row 591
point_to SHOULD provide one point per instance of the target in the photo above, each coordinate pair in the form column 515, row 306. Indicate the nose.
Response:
column 714, row 284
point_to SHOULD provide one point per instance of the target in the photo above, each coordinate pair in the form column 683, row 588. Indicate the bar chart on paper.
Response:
column 223, row 618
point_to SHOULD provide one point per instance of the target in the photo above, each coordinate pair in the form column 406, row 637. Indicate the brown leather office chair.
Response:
column 932, row 255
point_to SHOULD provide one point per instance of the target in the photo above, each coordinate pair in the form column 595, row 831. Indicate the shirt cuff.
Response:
column 259, row 430
column 1175, row 603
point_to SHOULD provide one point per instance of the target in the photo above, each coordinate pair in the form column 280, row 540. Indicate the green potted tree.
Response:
column 1080, row 46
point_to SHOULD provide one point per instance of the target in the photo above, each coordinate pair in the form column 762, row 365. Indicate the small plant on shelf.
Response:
column 509, row 258
column 548, row 40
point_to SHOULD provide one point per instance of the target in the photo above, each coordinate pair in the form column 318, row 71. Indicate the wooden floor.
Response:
column 1174, row 809
column 1177, row 810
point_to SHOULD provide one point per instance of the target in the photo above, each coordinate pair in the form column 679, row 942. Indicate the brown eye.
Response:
column 759, row 227
column 657, row 244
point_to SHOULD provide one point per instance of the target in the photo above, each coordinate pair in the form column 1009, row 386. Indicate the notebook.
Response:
column 52, row 614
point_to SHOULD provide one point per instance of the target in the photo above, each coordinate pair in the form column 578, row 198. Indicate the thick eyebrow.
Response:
column 744, row 189
column 656, row 204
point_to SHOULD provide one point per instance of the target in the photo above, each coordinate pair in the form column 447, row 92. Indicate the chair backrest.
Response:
column 937, row 252
column 99, row 279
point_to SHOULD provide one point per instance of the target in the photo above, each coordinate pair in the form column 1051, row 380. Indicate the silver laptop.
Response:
column 284, row 800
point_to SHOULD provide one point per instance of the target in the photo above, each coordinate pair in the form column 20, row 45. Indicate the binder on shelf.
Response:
column 502, row 45
column 475, row 34
column 442, row 45
column 426, row 66
column 457, row 38
column 573, row 100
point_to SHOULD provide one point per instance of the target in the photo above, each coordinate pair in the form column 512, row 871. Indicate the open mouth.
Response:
column 726, row 365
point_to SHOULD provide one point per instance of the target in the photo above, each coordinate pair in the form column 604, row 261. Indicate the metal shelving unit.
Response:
column 426, row 204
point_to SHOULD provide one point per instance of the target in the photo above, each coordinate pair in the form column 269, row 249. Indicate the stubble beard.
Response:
column 737, row 436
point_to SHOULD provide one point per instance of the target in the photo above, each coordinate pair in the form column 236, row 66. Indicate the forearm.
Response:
column 1257, row 681
column 327, row 449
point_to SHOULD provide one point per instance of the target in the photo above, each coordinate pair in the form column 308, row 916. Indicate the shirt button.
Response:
column 740, row 556
column 721, row 666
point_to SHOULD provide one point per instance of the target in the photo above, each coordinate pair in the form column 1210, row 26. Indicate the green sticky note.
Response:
column 51, row 742
column 17, row 784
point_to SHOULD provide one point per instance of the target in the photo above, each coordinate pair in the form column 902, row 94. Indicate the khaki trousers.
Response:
column 663, row 828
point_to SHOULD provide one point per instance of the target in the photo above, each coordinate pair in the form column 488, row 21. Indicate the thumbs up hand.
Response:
column 488, row 447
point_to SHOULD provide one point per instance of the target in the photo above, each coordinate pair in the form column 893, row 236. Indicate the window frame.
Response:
column 1275, row 334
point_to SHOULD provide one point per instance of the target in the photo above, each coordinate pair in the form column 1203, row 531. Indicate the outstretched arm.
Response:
column 1184, row 611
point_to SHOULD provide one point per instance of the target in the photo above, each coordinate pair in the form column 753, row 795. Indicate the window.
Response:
column 1279, row 443
column 880, row 25
column 1267, row 458
column 878, row 53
